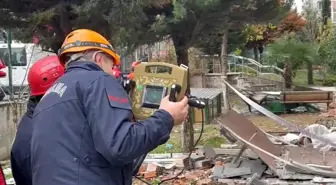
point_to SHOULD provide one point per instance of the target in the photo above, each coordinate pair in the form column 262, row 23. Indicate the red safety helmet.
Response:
column 116, row 71
column 2, row 63
column 43, row 74
column 2, row 177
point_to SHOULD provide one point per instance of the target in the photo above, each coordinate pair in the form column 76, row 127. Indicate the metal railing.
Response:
column 250, row 66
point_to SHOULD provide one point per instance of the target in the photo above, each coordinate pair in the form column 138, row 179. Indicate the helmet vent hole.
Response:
column 45, row 79
column 70, row 35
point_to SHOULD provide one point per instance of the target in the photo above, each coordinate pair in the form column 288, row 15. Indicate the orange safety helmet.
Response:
column 130, row 76
column 84, row 39
column 43, row 74
column 134, row 64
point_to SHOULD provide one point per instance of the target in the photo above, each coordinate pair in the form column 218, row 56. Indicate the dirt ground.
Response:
column 269, row 125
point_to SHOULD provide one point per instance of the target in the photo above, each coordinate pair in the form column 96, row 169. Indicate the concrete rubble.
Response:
column 253, row 158
column 331, row 111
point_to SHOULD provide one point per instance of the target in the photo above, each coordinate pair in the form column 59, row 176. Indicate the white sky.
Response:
column 298, row 5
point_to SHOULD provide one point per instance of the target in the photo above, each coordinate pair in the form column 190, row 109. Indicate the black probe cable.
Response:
column 190, row 153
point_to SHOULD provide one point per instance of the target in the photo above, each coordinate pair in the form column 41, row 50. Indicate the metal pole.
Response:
column 10, row 75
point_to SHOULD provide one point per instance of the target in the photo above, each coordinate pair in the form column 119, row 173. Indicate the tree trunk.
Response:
column 150, row 53
column 65, row 24
column 256, row 53
column 326, row 11
column 260, row 52
column 62, row 25
column 187, row 136
column 310, row 73
column 288, row 75
column 224, row 63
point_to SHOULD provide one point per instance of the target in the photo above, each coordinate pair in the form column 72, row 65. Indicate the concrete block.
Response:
column 256, row 166
column 9, row 118
column 202, row 164
column 225, row 172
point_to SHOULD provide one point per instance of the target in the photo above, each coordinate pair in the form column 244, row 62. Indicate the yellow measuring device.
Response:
column 152, row 82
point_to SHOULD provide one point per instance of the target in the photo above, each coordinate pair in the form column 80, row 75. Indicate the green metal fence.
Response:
column 213, row 104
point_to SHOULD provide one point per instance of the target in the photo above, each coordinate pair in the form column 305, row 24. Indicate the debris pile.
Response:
column 331, row 109
column 254, row 157
column 329, row 113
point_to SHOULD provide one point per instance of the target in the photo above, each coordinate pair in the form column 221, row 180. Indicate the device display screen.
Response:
column 153, row 95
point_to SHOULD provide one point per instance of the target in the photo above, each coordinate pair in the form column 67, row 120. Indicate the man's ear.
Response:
column 98, row 58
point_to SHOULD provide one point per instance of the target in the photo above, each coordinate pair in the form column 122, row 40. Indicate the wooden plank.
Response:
column 306, row 97
column 320, row 101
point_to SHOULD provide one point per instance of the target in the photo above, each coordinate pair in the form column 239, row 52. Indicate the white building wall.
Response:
column 299, row 4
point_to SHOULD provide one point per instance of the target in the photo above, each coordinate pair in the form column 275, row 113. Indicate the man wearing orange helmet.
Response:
column 131, row 75
column 84, row 131
column 41, row 76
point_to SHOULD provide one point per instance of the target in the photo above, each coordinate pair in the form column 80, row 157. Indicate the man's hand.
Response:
column 178, row 110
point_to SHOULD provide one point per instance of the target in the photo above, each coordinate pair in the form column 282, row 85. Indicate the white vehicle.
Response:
column 24, row 55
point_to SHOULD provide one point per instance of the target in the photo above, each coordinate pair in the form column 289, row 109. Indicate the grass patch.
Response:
column 271, row 76
column 6, row 165
column 8, row 176
column 301, row 78
column 211, row 137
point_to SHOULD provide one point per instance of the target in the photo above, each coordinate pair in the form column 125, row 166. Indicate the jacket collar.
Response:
column 31, row 105
column 82, row 65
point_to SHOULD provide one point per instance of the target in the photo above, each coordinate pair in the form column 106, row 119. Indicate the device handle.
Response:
column 174, row 91
column 193, row 102
column 128, row 85
column 166, row 69
column 153, row 64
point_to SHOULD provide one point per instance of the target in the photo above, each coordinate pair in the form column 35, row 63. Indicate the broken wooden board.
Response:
column 247, row 131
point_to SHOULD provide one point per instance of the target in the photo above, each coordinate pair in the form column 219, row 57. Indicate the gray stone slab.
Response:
column 257, row 166
column 225, row 172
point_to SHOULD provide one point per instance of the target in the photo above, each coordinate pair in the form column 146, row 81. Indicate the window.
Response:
column 333, row 6
column 19, row 56
column 319, row 5
column 333, row 11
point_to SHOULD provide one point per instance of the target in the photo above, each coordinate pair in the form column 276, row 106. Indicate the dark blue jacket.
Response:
column 84, row 134
column 20, row 154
